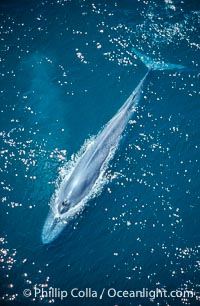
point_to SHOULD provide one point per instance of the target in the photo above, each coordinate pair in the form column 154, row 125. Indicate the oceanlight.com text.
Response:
column 111, row 293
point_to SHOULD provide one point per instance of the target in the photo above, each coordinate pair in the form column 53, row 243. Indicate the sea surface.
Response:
column 66, row 67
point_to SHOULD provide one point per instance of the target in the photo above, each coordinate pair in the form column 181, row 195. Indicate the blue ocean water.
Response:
column 66, row 68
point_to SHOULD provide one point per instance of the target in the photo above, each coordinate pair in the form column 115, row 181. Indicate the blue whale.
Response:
column 88, row 169
column 81, row 181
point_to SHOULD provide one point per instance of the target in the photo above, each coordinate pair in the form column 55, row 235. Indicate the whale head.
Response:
column 52, row 228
